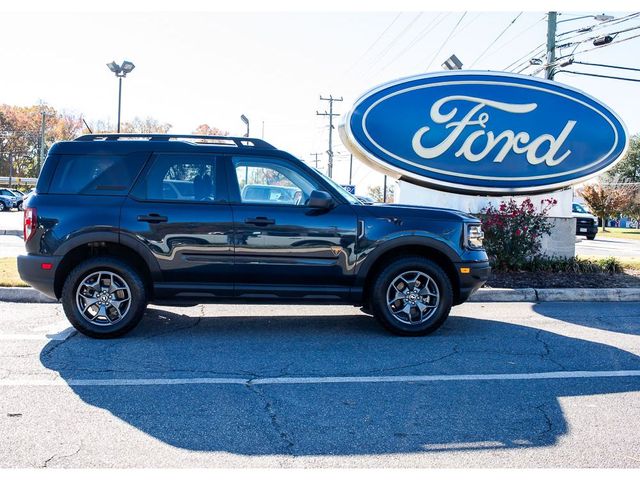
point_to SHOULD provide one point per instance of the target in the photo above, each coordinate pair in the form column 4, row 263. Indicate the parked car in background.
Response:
column 20, row 196
column 586, row 222
column 8, row 200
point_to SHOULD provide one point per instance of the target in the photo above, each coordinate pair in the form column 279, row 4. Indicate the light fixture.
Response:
column 127, row 67
column 452, row 63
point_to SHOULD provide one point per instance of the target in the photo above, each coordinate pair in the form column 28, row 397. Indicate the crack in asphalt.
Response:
column 269, row 409
column 454, row 351
column 547, row 350
column 547, row 419
column 56, row 456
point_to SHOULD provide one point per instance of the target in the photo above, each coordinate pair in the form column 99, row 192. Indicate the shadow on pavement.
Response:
column 610, row 316
column 336, row 419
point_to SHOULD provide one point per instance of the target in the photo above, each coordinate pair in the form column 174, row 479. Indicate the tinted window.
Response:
column 96, row 174
column 189, row 178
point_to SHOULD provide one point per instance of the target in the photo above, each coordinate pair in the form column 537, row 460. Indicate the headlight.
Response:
column 474, row 236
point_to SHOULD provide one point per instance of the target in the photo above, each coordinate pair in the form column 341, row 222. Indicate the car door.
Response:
column 179, row 210
column 283, row 247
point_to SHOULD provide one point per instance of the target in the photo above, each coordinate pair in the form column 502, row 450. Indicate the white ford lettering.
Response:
column 519, row 143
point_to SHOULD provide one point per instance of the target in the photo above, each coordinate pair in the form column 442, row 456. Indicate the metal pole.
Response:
column 330, row 151
column 263, row 129
column 350, row 167
column 119, row 100
column 384, row 195
column 41, row 154
column 552, row 18
column 10, row 169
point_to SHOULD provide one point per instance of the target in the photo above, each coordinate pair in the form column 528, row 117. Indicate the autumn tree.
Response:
column 20, row 136
column 607, row 198
column 205, row 129
column 137, row 125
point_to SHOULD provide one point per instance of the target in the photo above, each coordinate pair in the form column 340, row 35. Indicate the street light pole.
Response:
column 119, row 100
column 120, row 72
column 41, row 153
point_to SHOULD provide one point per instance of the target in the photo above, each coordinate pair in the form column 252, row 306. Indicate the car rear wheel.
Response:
column 591, row 237
column 412, row 296
column 104, row 297
column 2, row 207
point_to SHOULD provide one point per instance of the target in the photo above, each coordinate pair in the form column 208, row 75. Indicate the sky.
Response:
column 195, row 67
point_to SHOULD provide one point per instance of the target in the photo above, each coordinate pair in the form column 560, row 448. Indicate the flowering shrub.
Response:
column 513, row 232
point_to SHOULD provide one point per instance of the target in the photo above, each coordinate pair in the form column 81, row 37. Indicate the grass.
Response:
column 9, row 273
column 624, row 233
column 628, row 263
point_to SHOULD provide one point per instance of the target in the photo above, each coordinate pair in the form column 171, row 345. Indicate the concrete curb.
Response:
column 11, row 232
column 556, row 295
column 29, row 295
column 23, row 295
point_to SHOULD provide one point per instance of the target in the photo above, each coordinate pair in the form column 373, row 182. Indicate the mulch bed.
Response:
column 631, row 278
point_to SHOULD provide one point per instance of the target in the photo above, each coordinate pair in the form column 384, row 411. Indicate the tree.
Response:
column 607, row 199
column 205, row 129
column 376, row 193
column 137, row 125
column 20, row 132
column 629, row 167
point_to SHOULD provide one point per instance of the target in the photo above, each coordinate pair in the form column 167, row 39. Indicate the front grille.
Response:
column 586, row 222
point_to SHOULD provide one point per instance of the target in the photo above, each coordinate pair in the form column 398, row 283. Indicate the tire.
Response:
column 21, row 207
column 2, row 207
column 87, row 286
column 591, row 237
column 406, row 274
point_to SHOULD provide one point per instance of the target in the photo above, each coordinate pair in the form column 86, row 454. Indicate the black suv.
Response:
column 118, row 221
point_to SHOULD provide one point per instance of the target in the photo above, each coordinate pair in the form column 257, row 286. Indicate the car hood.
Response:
column 387, row 209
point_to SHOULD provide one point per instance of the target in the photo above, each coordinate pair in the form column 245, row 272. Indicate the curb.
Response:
column 23, row 295
column 556, row 295
column 11, row 232
column 29, row 295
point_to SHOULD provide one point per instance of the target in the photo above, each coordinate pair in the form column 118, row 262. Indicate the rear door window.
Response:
column 96, row 174
column 182, row 178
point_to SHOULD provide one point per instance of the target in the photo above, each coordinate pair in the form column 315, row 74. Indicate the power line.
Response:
column 397, row 37
column 430, row 27
column 446, row 40
column 598, row 75
column 609, row 66
column 496, row 39
column 375, row 42
column 518, row 62
column 518, row 34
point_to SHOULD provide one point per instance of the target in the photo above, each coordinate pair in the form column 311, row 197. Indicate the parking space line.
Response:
column 115, row 382
column 55, row 336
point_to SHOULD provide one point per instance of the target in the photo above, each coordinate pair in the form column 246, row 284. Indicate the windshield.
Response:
column 343, row 193
column 577, row 208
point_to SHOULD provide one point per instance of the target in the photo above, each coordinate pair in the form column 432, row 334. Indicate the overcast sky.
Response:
column 210, row 67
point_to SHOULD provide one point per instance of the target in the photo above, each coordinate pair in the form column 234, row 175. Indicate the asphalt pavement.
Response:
column 500, row 385
column 608, row 247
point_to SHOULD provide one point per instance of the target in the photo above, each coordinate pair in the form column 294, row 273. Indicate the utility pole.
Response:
column 330, row 114
column 316, row 160
column 350, row 167
column 384, row 189
column 552, row 20
column 41, row 153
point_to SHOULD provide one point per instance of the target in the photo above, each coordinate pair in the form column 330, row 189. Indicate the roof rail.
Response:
column 165, row 137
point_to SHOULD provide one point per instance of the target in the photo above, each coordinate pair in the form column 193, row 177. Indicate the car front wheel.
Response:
column 412, row 296
column 104, row 297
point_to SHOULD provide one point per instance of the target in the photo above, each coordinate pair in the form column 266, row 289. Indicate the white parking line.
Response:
column 56, row 336
column 115, row 382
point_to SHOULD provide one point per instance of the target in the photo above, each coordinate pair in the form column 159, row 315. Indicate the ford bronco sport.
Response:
column 119, row 221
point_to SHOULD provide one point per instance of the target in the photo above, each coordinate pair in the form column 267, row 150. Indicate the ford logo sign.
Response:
column 484, row 132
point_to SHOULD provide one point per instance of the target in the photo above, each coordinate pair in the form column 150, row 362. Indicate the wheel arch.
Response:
column 440, row 254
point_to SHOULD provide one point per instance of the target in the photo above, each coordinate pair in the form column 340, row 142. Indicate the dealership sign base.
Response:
column 561, row 241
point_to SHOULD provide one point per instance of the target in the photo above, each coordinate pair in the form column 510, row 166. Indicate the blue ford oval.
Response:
column 484, row 132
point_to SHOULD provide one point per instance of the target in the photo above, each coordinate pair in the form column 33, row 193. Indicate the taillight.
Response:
column 30, row 223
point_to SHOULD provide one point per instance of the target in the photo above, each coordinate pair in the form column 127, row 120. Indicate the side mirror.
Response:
column 320, row 200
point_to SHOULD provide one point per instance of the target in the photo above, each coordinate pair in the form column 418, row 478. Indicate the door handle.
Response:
column 260, row 221
column 152, row 218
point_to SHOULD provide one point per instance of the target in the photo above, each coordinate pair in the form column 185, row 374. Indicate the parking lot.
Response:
column 528, row 385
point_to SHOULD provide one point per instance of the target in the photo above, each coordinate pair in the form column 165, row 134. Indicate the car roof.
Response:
column 123, row 144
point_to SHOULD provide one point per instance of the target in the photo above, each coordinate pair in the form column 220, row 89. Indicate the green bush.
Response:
column 541, row 264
